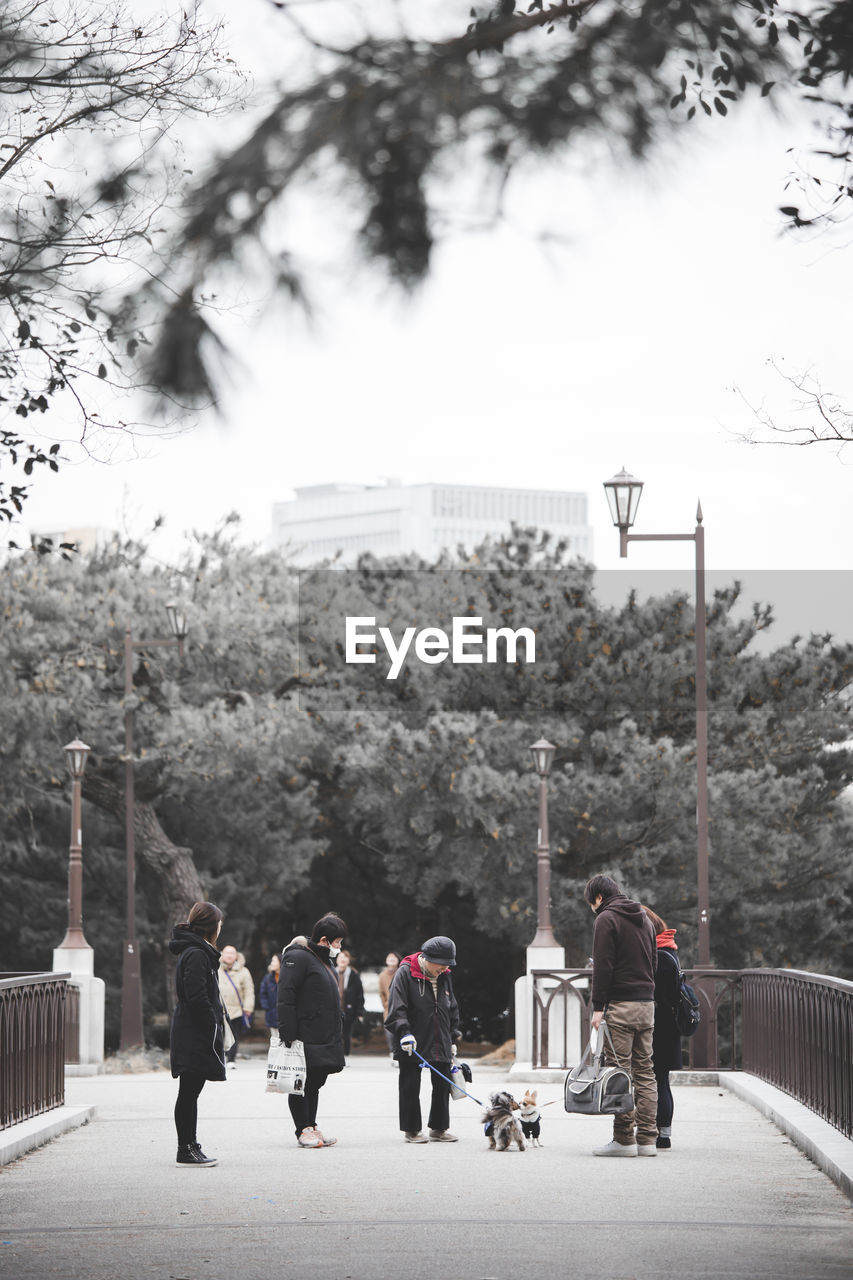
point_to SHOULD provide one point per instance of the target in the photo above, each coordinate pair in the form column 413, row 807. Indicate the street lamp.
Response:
column 623, row 493
column 75, row 755
column 131, row 977
column 543, row 754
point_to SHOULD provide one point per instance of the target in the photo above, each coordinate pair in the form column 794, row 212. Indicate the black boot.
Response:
column 192, row 1157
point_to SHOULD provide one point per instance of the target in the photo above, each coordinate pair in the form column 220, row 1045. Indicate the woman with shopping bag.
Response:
column 309, row 1009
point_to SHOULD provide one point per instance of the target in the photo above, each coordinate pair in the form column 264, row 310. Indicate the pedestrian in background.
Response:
column 268, row 995
column 666, row 1042
column 197, row 1032
column 238, row 996
column 386, row 977
column 352, row 995
column 423, row 1015
column 309, row 1009
column 624, row 959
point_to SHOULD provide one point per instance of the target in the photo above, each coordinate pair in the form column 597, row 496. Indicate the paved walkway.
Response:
column 733, row 1199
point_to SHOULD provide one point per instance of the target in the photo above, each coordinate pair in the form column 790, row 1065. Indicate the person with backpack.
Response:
column 666, row 1041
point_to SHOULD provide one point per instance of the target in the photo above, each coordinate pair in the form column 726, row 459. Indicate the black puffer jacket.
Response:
column 196, row 1037
column 309, row 1005
column 624, row 953
column 413, row 1009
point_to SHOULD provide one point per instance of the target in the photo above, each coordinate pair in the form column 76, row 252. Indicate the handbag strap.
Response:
column 236, row 988
column 599, row 1048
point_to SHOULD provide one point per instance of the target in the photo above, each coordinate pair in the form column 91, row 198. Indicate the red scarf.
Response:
column 666, row 940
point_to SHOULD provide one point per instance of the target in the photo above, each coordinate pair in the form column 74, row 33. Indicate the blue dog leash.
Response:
column 452, row 1083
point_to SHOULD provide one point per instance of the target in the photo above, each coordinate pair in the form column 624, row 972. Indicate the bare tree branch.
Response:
column 826, row 420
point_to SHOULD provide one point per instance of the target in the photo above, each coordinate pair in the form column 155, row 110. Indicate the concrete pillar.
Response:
column 80, row 963
column 539, row 957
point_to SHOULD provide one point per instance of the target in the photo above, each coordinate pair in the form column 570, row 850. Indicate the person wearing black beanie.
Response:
column 423, row 1018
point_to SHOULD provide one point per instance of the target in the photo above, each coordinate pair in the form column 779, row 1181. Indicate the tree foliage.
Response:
column 288, row 781
column 394, row 119
column 90, row 97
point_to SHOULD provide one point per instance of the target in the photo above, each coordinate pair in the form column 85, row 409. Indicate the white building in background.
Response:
column 393, row 518
column 85, row 539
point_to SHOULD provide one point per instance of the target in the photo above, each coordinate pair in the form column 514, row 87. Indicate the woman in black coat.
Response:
column 666, row 1042
column 309, row 1009
column 196, row 1039
column 352, row 996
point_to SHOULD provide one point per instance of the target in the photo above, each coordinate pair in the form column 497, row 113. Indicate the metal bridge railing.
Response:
column 792, row 1029
column 798, row 1036
column 32, row 1044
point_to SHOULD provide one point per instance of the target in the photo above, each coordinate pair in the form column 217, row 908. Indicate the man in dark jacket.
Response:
column 423, row 1015
column 624, row 959
column 309, row 1009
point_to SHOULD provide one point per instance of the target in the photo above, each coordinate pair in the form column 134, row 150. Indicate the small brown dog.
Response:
column 531, row 1119
column 501, row 1125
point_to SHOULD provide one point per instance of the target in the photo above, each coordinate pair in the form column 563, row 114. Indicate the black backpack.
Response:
column 685, row 1011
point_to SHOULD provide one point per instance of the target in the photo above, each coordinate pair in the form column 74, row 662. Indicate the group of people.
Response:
column 237, row 991
column 309, row 995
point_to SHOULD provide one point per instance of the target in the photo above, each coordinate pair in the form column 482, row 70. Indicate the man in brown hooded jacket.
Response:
column 624, row 958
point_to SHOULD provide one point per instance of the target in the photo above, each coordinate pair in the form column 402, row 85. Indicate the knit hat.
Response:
column 440, row 950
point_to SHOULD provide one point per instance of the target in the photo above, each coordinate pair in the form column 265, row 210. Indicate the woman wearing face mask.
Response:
column 309, row 1009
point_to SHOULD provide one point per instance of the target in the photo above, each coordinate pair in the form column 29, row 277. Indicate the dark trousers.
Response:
column 186, row 1107
column 665, row 1102
column 238, row 1029
column 303, row 1107
column 410, row 1095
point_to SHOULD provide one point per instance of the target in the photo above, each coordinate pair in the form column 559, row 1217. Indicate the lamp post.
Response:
column 543, row 754
column 76, row 754
column 74, row 958
column 131, row 976
column 623, row 494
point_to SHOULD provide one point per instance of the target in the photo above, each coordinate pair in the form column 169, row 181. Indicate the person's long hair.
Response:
column 204, row 919
column 660, row 926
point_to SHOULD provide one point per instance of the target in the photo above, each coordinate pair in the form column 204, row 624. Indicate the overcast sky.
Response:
column 544, row 364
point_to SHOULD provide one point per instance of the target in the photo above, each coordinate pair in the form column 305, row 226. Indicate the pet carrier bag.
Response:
column 286, row 1068
column 592, row 1089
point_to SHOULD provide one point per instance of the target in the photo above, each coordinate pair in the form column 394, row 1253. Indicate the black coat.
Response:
column 197, row 1032
column 309, row 1006
column 666, row 1044
column 268, row 999
column 413, row 1009
column 353, row 997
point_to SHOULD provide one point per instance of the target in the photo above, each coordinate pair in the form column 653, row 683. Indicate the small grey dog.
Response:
column 501, row 1126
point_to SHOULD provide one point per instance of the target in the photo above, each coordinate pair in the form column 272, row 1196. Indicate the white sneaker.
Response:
column 442, row 1135
column 616, row 1149
column 646, row 1149
column 416, row 1137
column 310, row 1138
